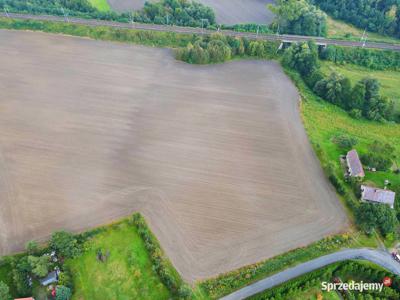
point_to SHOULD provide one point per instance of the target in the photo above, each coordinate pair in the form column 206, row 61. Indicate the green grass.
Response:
column 127, row 274
column 6, row 276
column 101, row 5
column 340, row 30
column 389, row 80
column 323, row 121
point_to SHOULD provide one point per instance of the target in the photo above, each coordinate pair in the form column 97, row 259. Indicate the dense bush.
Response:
column 217, row 48
column 299, row 17
column 39, row 265
column 178, row 12
column 21, row 271
column 370, row 58
column 382, row 16
column 65, row 244
column 63, row 293
column 362, row 100
column 344, row 141
column 302, row 57
column 161, row 264
column 381, row 217
column 225, row 283
column 379, row 156
column 347, row 271
column 4, row 291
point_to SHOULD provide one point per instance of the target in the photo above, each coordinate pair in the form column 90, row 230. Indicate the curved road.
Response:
column 378, row 257
column 191, row 30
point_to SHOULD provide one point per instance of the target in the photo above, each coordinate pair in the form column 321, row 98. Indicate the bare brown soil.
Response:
column 215, row 157
column 227, row 11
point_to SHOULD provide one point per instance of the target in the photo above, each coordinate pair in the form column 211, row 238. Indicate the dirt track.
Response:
column 214, row 156
column 227, row 11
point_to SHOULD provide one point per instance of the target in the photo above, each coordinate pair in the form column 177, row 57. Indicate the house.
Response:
column 354, row 166
column 49, row 279
column 375, row 195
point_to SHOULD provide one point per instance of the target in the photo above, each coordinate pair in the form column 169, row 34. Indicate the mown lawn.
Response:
column 101, row 5
column 323, row 121
column 389, row 80
column 127, row 273
column 341, row 30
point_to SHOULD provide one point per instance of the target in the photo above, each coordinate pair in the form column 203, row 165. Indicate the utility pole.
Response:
column 65, row 14
column 130, row 18
column 277, row 30
column 6, row 11
column 364, row 38
column 202, row 24
column 258, row 29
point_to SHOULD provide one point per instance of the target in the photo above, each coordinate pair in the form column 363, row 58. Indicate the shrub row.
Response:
column 226, row 283
column 161, row 264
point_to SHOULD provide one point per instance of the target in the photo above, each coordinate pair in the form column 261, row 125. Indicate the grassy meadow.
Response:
column 389, row 80
column 340, row 30
column 101, row 5
column 323, row 121
column 126, row 274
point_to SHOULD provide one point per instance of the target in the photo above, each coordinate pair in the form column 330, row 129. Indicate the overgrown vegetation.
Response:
column 362, row 100
column 369, row 58
column 177, row 12
column 226, row 283
column 161, row 263
column 217, row 48
column 323, row 122
column 125, row 273
column 382, row 16
column 121, row 260
column 298, row 17
column 345, row 272
column 388, row 79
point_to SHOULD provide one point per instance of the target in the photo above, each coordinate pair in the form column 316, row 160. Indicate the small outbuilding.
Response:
column 375, row 195
column 52, row 277
column 354, row 166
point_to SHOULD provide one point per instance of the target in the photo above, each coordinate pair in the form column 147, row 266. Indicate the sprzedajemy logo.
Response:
column 356, row 286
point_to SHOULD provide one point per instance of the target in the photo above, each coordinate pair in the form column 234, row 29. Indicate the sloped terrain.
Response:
column 215, row 157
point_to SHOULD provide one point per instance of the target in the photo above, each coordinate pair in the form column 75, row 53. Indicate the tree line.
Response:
column 178, row 12
column 218, row 48
column 298, row 17
column 363, row 100
column 369, row 58
column 382, row 16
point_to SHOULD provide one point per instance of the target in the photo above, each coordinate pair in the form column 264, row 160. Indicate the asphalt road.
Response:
column 378, row 257
column 191, row 30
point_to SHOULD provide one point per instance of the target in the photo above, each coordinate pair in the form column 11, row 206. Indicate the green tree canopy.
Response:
column 65, row 244
column 40, row 265
column 4, row 291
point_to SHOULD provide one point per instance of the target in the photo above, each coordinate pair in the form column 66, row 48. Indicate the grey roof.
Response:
column 378, row 195
column 354, row 164
column 49, row 279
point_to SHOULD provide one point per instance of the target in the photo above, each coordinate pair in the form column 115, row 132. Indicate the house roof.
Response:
column 378, row 195
column 50, row 278
column 354, row 164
